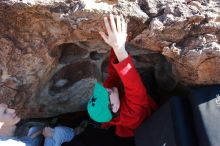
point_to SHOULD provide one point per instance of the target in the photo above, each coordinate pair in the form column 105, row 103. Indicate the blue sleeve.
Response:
column 61, row 134
column 49, row 141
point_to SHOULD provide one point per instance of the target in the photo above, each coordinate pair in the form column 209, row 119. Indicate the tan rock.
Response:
column 51, row 52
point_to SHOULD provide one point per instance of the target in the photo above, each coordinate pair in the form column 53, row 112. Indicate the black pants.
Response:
column 95, row 136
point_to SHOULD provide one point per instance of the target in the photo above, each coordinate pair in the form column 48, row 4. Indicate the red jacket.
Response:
column 135, row 104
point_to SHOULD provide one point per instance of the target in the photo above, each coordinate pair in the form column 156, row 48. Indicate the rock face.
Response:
column 51, row 52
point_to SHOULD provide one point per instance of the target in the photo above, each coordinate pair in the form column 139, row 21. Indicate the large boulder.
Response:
column 51, row 52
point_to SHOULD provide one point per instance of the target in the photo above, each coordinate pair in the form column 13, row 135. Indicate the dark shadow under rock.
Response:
column 71, row 52
column 72, row 73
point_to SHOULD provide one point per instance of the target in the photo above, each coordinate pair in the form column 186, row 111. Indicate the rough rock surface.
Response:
column 51, row 52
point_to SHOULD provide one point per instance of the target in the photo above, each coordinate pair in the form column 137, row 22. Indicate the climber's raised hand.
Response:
column 116, row 35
